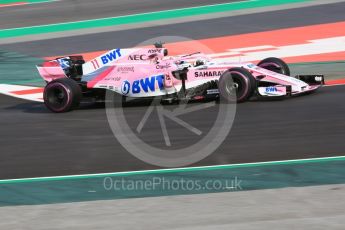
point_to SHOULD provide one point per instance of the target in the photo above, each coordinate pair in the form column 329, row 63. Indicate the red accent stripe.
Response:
column 336, row 82
column 100, row 77
column 28, row 91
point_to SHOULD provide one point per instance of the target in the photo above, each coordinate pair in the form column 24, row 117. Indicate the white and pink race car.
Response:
column 150, row 72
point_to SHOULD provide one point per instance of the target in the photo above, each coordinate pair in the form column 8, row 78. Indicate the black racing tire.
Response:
column 62, row 95
column 236, row 84
column 276, row 65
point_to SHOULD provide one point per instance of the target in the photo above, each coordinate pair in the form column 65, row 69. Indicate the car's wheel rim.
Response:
column 231, row 87
column 57, row 97
column 240, row 83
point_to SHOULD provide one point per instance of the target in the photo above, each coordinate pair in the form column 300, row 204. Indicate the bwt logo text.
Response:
column 111, row 56
column 146, row 85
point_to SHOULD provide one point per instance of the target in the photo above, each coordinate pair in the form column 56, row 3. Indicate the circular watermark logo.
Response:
column 173, row 135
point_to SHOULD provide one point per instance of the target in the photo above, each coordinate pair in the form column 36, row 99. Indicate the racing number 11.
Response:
column 95, row 64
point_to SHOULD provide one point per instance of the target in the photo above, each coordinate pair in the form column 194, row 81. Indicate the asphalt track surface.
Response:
column 35, row 142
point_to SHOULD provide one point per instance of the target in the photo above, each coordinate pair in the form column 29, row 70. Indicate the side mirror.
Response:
column 180, row 74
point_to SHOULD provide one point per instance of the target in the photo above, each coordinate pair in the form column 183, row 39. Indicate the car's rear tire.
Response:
column 276, row 65
column 236, row 84
column 62, row 95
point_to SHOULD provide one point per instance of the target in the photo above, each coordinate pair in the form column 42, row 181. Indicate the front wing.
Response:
column 314, row 82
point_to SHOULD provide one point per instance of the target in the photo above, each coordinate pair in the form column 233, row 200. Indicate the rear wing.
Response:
column 61, row 67
column 50, row 71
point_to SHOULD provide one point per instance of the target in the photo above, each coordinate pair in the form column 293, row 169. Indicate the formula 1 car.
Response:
column 149, row 72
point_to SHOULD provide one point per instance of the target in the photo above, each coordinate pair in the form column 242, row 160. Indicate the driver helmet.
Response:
column 199, row 62
column 64, row 62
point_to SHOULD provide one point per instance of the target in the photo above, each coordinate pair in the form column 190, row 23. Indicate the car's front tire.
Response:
column 236, row 84
column 276, row 65
column 62, row 95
